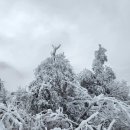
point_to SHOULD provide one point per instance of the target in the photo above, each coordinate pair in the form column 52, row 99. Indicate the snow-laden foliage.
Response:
column 103, row 74
column 72, row 100
column 58, row 99
column 9, row 118
column 119, row 90
column 87, row 79
column 50, row 120
column 55, row 72
column 20, row 98
column 52, row 78
column 105, row 110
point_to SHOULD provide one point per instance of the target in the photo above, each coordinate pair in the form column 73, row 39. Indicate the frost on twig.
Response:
column 84, row 123
column 111, row 124
column 10, row 118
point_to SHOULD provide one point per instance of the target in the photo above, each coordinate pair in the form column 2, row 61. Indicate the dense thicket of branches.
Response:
column 59, row 99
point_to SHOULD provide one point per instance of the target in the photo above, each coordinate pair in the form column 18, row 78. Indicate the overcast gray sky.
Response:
column 29, row 27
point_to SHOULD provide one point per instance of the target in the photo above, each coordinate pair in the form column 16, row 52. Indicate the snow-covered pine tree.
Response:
column 103, row 79
column 106, row 79
column 52, row 77
column 100, row 59
column 55, row 84
column 101, row 76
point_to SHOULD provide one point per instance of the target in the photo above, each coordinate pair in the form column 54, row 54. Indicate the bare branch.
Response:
column 55, row 48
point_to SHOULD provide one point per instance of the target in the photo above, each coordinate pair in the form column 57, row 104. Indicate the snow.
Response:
column 57, row 99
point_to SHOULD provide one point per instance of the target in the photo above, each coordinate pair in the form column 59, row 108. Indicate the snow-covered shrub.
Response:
column 79, row 101
column 20, row 99
column 86, row 79
column 76, row 98
column 52, row 120
column 43, row 97
column 9, row 118
column 106, row 111
column 119, row 90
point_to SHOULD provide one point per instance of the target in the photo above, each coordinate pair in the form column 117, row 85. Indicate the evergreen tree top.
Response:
column 100, row 54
